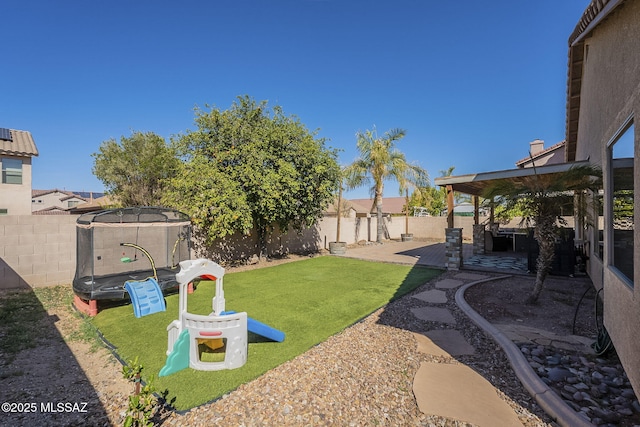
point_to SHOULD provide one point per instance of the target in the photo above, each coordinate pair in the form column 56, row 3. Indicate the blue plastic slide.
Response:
column 146, row 296
column 261, row 329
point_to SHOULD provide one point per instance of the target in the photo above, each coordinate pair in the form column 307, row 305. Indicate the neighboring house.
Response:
column 390, row 205
column 540, row 156
column 16, row 150
column 44, row 200
column 346, row 211
column 49, row 202
column 603, row 97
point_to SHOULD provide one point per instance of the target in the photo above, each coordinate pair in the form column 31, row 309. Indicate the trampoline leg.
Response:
column 90, row 308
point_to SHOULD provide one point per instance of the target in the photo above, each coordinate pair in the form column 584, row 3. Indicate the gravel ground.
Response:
column 362, row 376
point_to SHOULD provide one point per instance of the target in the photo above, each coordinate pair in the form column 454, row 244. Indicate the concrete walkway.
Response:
column 454, row 390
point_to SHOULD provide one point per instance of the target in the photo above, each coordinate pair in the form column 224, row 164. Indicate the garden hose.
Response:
column 173, row 252
column 575, row 314
column 603, row 342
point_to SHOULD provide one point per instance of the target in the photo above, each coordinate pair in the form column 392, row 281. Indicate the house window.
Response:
column 72, row 203
column 11, row 171
column 621, row 200
column 4, row 211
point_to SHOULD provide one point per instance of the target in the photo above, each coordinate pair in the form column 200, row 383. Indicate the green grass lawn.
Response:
column 309, row 300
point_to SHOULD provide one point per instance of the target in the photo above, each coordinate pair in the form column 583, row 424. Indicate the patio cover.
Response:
column 476, row 184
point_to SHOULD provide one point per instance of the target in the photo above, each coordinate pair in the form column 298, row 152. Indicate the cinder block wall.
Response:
column 40, row 250
column 37, row 250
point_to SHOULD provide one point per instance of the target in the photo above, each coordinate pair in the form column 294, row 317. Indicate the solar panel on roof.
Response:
column 5, row 134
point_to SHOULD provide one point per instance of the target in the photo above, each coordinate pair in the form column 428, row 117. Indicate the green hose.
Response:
column 603, row 342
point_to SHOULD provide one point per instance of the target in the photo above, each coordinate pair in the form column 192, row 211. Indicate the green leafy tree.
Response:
column 263, row 167
column 136, row 169
column 537, row 197
column 422, row 198
column 432, row 198
column 379, row 160
column 216, row 203
column 504, row 213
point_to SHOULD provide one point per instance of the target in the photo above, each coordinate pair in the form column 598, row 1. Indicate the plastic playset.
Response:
column 221, row 329
column 117, row 253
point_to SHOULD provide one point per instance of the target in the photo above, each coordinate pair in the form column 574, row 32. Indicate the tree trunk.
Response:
column 338, row 213
column 406, row 213
column 545, row 235
column 380, row 228
column 262, row 242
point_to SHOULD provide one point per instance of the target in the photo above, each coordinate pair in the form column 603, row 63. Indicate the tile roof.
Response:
column 52, row 210
column 85, row 195
column 592, row 15
column 21, row 145
column 38, row 193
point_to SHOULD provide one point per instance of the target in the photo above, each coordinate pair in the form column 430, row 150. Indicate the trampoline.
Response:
column 119, row 245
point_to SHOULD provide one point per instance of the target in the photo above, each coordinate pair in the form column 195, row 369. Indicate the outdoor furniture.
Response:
column 495, row 243
column 517, row 239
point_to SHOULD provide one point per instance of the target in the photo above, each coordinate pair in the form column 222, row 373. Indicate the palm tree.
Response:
column 537, row 196
column 378, row 161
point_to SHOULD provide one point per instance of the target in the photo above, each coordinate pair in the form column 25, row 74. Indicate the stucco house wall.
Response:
column 16, row 198
column 609, row 97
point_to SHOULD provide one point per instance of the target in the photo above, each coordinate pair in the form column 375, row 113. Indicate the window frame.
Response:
column 614, row 163
column 8, row 171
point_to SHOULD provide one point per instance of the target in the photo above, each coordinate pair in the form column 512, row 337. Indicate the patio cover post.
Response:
column 492, row 217
column 449, row 206
column 476, row 210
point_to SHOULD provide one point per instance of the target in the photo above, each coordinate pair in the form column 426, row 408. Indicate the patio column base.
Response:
column 453, row 248
column 478, row 239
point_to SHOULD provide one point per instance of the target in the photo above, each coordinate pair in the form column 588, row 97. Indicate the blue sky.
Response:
column 472, row 82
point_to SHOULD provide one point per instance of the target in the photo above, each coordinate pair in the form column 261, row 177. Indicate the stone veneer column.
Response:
column 478, row 239
column 453, row 248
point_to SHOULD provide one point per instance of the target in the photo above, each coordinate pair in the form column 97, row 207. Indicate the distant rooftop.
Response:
column 83, row 194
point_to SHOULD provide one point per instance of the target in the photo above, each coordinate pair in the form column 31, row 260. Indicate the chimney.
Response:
column 536, row 146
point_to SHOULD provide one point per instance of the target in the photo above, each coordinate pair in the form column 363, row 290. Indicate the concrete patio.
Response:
column 432, row 254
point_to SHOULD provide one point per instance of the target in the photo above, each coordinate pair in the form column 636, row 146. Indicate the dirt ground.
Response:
column 567, row 305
